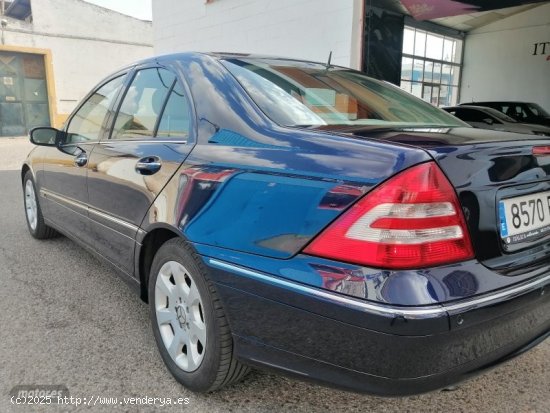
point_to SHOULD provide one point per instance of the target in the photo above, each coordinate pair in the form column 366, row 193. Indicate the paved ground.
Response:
column 67, row 319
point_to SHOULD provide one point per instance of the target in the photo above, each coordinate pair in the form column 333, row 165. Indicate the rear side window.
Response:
column 534, row 110
column 142, row 104
column 87, row 123
column 175, row 117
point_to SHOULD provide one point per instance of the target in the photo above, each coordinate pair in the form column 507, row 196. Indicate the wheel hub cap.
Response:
column 180, row 316
column 31, row 207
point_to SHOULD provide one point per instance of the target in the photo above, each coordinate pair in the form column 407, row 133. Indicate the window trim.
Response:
column 190, row 113
column 163, row 108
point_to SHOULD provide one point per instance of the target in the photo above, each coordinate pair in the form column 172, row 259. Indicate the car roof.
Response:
column 223, row 55
column 464, row 107
column 499, row 102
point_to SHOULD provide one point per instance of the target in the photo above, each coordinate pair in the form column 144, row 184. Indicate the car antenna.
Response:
column 329, row 59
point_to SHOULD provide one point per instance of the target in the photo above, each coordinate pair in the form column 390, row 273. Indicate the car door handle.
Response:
column 81, row 159
column 148, row 165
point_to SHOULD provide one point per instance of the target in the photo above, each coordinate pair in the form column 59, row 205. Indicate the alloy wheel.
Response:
column 31, row 207
column 180, row 316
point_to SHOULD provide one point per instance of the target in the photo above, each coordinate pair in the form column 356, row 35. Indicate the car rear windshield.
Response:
column 294, row 93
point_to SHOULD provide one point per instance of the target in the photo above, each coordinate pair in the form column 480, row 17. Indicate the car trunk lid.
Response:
column 501, row 179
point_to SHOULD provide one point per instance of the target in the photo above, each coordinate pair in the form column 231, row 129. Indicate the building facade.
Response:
column 441, row 60
column 306, row 29
column 54, row 51
column 519, row 48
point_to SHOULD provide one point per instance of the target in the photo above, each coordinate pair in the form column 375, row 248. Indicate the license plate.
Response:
column 525, row 218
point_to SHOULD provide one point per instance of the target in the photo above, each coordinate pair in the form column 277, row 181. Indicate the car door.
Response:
column 148, row 142
column 65, row 171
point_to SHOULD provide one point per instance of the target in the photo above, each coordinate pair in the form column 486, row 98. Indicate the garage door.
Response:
column 23, row 93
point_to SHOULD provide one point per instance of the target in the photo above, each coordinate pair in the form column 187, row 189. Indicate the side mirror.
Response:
column 45, row 136
column 488, row 121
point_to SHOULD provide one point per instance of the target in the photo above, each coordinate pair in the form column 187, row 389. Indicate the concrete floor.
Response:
column 67, row 319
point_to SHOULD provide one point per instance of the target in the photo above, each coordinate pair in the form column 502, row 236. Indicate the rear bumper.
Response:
column 308, row 369
column 360, row 346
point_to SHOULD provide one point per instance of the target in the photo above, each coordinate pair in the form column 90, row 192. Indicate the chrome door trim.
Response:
column 114, row 141
column 63, row 199
column 113, row 219
column 85, row 207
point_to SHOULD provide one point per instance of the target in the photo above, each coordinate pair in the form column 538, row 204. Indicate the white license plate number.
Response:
column 525, row 218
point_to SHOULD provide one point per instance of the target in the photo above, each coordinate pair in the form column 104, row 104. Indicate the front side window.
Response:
column 143, row 104
column 87, row 123
column 310, row 94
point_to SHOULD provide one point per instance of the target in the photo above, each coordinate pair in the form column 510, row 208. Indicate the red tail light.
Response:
column 541, row 150
column 413, row 220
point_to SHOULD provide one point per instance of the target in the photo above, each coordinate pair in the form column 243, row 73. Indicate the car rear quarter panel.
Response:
column 251, row 186
column 253, row 194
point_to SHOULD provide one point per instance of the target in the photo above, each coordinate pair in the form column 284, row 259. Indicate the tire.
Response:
column 185, row 307
column 33, row 212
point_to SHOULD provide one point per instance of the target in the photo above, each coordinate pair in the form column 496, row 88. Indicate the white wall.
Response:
column 87, row 43
column 499, row 62
column 307, row 29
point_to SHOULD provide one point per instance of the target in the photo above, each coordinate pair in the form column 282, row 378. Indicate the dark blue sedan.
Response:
column 302, row 217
